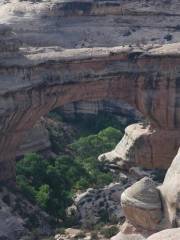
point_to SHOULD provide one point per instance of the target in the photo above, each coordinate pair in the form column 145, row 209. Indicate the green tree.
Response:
column 43, row 195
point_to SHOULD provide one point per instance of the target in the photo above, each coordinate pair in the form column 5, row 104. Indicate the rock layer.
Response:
column 40, row 75
column 150, row 208
column 142, row 204
column 42, row 82
column 170, row 191
column 92, row 23
column 140, row 147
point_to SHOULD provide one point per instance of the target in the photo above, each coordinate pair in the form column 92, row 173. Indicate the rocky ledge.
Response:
column 150, row 208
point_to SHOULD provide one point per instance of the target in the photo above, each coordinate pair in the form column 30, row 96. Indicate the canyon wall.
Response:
column 38, row 73
column 35, row 81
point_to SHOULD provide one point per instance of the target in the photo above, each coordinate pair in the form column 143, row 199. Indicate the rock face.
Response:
column 140, row 147
column 149, row 208
column 94, row 204
column 169, row 234
column 37, row 74
column 13, row 217
column 170, row 191
column 133, row 147
column 39, row 91
column 36, row 140
column 92, row 23
column 125, row 113
column 142, row 204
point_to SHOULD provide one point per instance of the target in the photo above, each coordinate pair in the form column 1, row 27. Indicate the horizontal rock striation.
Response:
column 37, row 74
column 92, row 23
column 122, row 111
column 150, row 208
column 35, row 81
column 36, row 140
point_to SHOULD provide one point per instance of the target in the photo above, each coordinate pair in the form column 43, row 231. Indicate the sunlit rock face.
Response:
column 169, row 234
column 150, row 208
column 140, row 147
column 170, row 191
column 142, row 204
column 38, row 72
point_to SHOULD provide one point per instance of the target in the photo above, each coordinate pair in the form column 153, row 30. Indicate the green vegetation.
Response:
column 52, row 182
column 109, row 232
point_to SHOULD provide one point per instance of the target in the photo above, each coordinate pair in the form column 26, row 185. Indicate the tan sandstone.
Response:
column 169, row 234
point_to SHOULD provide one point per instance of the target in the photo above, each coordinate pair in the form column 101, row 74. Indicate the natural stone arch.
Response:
column 40, row 82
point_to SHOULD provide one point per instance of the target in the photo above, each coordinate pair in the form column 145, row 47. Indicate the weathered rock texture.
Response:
column 16, row 216
column 149, row 208
column 142, row 204
column 92, row 23
column 36, row 140
column 40, row 75
column 169, row 234
column 120, row 110
column 170, row 191
column 95, row 203
column 33, row 83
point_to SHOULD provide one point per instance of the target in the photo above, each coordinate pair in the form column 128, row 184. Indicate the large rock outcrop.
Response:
column 18, row 217
column 140, row 147
column 92, row 23
column 97, row 74
column 170, row 191
column 36, row 140
column 149, row 208
column 96, row 204
column 42, row 75
column 142, row 205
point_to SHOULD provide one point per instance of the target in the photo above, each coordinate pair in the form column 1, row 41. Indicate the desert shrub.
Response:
column 109, row 232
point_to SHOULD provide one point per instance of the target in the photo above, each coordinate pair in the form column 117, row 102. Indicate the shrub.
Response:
column 94, row 235
column 109, row 232
column 51, row 183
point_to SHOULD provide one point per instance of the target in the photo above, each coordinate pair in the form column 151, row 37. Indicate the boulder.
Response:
column 168, row 234
column 141, row 204
column 95, row 204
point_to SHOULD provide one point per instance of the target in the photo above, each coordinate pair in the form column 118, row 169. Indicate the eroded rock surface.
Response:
column 75, row 24
column 142, row 204
column 36, row 140
column 150, row 208
column 94, row 204
column 170, row 191
column 140, row 147
column 132, row 149
column 41, row 75
column 18, row 216
column 169, row 234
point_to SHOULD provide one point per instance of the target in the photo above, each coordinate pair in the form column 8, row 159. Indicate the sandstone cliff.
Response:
column 55, row 53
